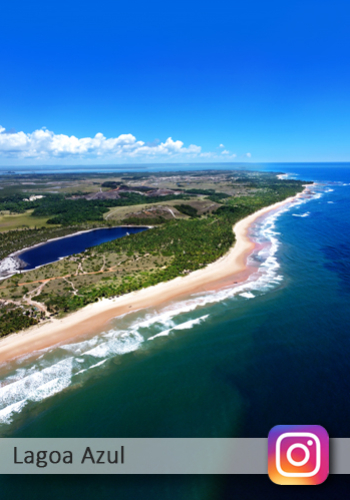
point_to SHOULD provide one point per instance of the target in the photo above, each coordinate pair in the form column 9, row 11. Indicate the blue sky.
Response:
column 183, row 81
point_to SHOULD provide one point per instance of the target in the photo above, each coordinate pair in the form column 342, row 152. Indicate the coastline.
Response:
column 92, row 318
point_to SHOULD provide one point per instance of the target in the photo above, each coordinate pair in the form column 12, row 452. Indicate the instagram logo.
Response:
column 298, row 454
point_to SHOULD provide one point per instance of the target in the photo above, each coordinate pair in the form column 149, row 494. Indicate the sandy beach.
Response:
column 229, row 269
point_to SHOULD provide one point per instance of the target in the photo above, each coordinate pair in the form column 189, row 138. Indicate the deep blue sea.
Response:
column 61, row 247
column 234, row 363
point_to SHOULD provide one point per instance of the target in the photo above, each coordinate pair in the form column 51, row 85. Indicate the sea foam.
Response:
column 306, row 214
column 61, row 367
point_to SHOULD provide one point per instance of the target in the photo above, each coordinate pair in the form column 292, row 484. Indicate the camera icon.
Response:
column 298, row 454
column 313, row 441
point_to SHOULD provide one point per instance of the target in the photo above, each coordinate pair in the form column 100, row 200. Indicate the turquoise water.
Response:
column 227, row 364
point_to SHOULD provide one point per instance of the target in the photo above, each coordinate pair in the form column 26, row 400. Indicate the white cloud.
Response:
column 249, row 155
column 44, row 144
column 228, row 155
column 207, row 154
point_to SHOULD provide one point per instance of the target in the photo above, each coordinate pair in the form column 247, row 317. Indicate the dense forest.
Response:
column 15, row 203
column 187, row 210
column 14, row 319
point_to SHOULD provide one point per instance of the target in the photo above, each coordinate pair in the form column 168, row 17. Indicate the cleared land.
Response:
column 10, row 221
column 166, row 209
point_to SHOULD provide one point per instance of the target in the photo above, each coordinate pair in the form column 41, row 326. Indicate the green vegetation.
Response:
column 13, row 241
column 218, row 197
column 266, row 195
column 111, row 184
column 200, row 191
column 187, row 210
column 188, row 244
column 179, row 244
column 14, row 319
column 20, row 221
column 67, row 212
column 211, row 193
column 143, row 221
column 14, row 204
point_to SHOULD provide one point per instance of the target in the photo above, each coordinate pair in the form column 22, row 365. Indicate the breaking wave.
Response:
column 184, row 326
column 247, row 295
column 68, row 365
column 306, row 214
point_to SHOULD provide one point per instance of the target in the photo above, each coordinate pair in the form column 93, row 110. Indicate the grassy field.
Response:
column 119, row 213
column 73, row 273
column 18, row 221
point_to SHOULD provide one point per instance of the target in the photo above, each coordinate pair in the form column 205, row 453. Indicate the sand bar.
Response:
column 93, row 318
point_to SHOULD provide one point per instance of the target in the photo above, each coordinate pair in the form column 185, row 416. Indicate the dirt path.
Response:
column 7, row 301
column 172, row 213
column 28, row 298
column 79, row 269
column 75, row 291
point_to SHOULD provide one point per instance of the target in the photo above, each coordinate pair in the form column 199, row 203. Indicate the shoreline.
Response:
column 94, row 317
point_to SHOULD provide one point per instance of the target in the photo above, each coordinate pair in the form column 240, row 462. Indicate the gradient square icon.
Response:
column 298, row 454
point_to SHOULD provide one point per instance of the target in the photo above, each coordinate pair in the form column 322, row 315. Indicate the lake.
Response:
column 70, row 245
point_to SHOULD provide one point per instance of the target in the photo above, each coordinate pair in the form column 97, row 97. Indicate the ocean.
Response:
column 233, row 363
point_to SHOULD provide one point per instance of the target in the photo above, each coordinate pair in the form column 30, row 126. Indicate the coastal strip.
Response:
column 93, row 317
